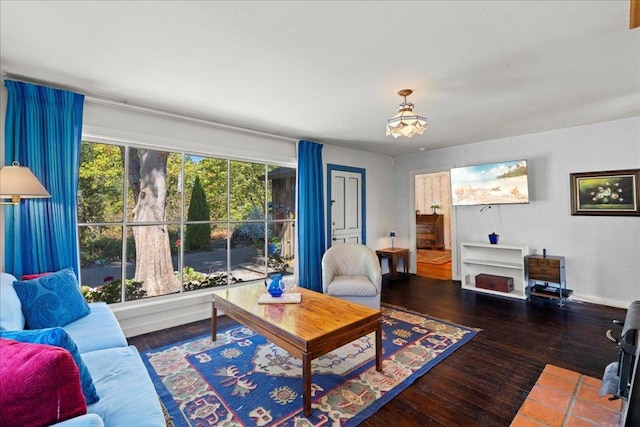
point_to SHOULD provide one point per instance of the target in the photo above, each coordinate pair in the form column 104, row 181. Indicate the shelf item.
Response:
column 495, row 283
column 430, row 231
column 547, row 269
column 497, row 260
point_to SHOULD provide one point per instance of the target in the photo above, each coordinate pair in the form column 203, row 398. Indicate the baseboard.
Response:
column 162, row 313
column 601, row 301
column 153, row 325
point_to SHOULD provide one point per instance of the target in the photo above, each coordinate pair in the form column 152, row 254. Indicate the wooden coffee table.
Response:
column 316, row 326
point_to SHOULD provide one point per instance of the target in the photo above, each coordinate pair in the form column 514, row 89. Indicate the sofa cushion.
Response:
column 127, row 395
column 52, row 300
column 11, row 317
column 86, row 420
column 97, row 331
column 59, row 338
column 40, row 385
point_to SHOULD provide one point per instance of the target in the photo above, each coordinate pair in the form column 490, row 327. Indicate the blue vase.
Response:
column 493, row 238
column 276, row 286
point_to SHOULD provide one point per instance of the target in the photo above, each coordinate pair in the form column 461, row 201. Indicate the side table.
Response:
column 393, row 255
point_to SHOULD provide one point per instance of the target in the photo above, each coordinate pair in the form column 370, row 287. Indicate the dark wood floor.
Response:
column 485, row 382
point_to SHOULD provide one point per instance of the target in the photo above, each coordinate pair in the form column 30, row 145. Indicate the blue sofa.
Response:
column 127, row 395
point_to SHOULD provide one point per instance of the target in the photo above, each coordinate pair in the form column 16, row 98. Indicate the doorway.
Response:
column 433, row 225
column 346, row 207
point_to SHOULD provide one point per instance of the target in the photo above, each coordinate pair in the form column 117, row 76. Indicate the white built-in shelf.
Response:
column 500, row 260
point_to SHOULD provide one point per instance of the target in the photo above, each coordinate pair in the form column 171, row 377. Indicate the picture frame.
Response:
column 606, row 193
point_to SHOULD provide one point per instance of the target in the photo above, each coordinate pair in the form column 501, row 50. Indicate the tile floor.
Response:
column 565, row 398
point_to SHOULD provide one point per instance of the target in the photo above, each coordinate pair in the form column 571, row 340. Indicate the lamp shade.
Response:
column 18, row 182
column 406, row 122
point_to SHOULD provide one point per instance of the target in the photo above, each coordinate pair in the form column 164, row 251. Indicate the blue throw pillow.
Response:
column 59, row 338
column 52, row 300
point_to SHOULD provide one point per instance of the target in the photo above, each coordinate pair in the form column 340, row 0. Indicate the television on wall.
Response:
column 490, row 184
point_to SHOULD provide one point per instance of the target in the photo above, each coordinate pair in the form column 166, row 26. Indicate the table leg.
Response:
column 379, row 346
column 394, row 266
column 306, row 384
column 214, row 321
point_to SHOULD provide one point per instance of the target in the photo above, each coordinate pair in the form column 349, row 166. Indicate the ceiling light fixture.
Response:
column 406, row 122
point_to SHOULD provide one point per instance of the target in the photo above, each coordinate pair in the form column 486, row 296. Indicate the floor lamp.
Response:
column 17, row 182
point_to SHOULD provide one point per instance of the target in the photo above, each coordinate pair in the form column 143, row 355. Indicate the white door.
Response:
column 346, row 207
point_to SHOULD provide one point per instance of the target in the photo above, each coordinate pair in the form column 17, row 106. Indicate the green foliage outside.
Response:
column 193, row 280
column 111, row 292
column 198, row 236
column 278, row 263
column 100, row 183
column 249, row 233
column 101, row 194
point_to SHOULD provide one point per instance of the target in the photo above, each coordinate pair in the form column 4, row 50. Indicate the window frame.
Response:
column 126, row 223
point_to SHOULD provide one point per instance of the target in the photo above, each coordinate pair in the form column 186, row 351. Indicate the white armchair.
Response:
column 352, row 272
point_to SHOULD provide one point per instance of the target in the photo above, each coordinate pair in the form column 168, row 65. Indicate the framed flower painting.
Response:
column 605, row 193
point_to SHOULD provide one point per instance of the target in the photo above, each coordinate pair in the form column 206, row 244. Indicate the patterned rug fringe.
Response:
column 168, row 419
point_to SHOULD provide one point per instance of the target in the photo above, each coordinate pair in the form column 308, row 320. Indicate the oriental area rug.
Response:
column 242, row 379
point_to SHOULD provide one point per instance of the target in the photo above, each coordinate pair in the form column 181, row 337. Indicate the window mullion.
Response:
column 228, row 222
column 125, row 209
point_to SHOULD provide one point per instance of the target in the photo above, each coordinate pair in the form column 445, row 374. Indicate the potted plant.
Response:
column 275, row 246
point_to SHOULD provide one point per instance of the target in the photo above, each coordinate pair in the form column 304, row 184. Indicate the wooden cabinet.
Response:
column 548, row 269
column 430, row 231
column 498, row 260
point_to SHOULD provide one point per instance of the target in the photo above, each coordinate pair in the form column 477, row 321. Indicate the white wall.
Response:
column 602, row 253
column 130, row 124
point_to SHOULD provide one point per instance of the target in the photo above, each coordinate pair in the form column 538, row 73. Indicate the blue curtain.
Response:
column 311, row 232
column 43, row 131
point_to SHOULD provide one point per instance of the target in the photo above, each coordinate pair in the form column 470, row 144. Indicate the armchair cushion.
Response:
column 352, row 286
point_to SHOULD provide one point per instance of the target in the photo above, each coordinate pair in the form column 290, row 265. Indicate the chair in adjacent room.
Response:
column 352, row 272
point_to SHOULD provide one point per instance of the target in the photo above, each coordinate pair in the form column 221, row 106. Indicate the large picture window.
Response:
column 155, row 222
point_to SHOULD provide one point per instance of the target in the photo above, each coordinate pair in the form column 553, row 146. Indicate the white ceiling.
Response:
column 330, row 71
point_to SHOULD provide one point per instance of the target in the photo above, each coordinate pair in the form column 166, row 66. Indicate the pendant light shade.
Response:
column 406, row 122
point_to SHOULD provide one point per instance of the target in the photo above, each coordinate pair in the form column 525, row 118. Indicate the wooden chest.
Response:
column 494, row 283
